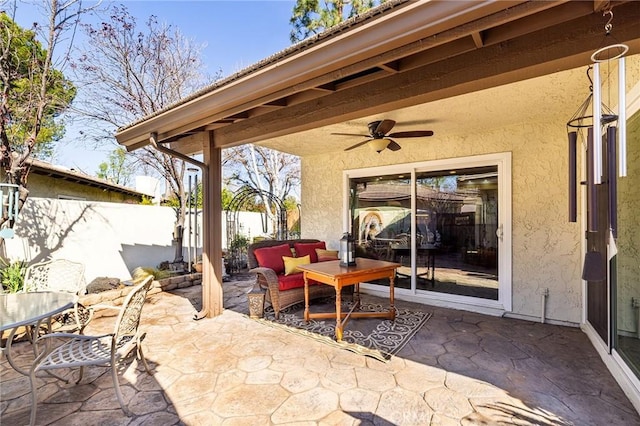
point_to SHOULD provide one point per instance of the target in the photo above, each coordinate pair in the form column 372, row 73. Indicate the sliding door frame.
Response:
column 503, row 163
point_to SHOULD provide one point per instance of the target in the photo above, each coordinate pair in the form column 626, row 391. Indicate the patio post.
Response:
column 211, row 230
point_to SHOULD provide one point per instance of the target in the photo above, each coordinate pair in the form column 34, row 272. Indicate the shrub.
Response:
column 12, row 275
column 140, row 273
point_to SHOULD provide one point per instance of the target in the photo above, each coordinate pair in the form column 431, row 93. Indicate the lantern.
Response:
column 347, row 250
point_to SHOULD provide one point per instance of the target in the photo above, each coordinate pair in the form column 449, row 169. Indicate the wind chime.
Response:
column 601, row 122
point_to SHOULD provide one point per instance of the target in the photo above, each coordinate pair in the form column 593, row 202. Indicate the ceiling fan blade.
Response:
column 384, row 126
column 393, row 145
column 357, row 145
column 412, row 134
column 351, row 134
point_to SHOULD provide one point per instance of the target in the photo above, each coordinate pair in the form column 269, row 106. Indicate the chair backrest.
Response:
column 129, row 317
column 56, row 275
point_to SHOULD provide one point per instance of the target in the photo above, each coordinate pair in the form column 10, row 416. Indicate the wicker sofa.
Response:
column 284, row 290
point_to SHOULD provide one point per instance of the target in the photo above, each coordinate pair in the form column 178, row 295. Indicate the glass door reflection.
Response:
column 448, row 243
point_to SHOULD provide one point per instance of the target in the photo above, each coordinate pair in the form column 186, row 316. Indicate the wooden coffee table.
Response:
column 331, row 273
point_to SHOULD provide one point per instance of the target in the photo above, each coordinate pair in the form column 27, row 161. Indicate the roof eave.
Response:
column 413, row 22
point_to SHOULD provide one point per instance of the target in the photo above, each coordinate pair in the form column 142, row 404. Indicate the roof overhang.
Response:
column 62, row 173
column 413, row 53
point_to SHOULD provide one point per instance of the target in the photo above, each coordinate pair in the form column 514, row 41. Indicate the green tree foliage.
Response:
column 33, row 93
column 227, row 196
column 116, row 169
column 315, row 16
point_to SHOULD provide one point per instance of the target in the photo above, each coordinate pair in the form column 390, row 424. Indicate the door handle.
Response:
column 499, row 232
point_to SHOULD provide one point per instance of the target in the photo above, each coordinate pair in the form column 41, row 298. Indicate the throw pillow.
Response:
column 271, row 257
column 325, row 255
column 303, row 249
column 291, row 264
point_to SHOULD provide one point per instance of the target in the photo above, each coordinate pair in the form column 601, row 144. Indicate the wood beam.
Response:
column 477, row 39
column 561, row 47
column 392, row 67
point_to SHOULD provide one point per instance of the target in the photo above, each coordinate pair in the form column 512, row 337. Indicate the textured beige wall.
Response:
column 628, row 278
column 546, row 247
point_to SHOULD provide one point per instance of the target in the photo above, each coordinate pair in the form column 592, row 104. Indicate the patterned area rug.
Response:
column 374, row 337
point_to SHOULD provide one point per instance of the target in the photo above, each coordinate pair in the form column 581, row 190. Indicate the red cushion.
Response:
column 303, row 249
column 271, row 257
column 287, row 282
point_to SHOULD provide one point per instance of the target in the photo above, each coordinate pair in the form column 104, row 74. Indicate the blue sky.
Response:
column 237, row 33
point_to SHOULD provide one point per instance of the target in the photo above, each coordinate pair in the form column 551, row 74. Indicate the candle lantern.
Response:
column 347, row 250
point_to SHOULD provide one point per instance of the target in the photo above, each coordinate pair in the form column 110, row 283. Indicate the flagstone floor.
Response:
column 460, row 369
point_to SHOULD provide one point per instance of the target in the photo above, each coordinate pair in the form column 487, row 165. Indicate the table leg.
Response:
column 391, row 296
column 338, row 313
column 306, row 298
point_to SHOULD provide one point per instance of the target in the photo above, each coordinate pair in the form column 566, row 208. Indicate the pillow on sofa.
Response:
column 271, row 257
column 325, row 255
column 303, row 249
column 291, row 264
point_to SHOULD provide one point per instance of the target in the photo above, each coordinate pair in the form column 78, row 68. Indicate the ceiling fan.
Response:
column 379, row 137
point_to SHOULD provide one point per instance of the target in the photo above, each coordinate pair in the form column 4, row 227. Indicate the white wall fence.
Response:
column 110, row 239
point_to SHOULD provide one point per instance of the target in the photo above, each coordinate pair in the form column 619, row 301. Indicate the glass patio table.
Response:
column 27, row 309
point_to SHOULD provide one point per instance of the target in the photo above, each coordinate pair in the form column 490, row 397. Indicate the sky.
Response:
column 237, row 34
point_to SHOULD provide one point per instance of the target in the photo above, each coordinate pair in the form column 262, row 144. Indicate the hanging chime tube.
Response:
column 612, row 178
column 597, row 129
column 622, row 117
column 592, row 213
column 573, row 211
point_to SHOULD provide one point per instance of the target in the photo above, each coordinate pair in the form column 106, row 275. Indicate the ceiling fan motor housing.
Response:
column 372, row 129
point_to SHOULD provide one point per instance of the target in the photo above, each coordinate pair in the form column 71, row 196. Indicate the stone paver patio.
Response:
column 460, row 369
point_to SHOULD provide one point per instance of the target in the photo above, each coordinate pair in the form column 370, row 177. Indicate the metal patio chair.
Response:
column 103, row 350
column 61, row 275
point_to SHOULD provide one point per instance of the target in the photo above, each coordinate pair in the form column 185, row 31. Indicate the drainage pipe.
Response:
column 543, row 299
column 636, row 307
column 153, row 139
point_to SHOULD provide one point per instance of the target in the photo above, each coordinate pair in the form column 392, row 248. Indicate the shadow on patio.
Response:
column 460, row 368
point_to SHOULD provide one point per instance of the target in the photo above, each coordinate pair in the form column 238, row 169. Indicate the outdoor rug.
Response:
column 374, row 337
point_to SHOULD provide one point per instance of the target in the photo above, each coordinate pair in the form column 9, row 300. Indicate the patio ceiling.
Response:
column 429, row 65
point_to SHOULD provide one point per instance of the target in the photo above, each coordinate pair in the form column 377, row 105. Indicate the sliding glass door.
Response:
column 457, row 222
column 625, row 267
column 441, row 221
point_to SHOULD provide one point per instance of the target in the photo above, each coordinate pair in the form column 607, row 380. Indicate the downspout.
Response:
column 153, row 139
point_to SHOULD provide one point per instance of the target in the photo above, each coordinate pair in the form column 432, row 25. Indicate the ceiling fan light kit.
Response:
column 379, row 145
column 380, row 139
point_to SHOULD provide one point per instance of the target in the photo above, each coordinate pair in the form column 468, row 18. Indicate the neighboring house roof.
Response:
column 58, row 172
column 401, row 54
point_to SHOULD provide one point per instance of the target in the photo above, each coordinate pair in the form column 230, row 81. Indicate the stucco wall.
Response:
column 546, row 247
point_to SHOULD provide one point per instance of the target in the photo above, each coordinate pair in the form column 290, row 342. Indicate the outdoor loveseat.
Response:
column 283, row 284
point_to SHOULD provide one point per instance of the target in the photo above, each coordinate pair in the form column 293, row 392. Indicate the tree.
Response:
column 265, row 170
column 126, row 73
column 33, row 90
column 315, row 16
column 116, row 169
